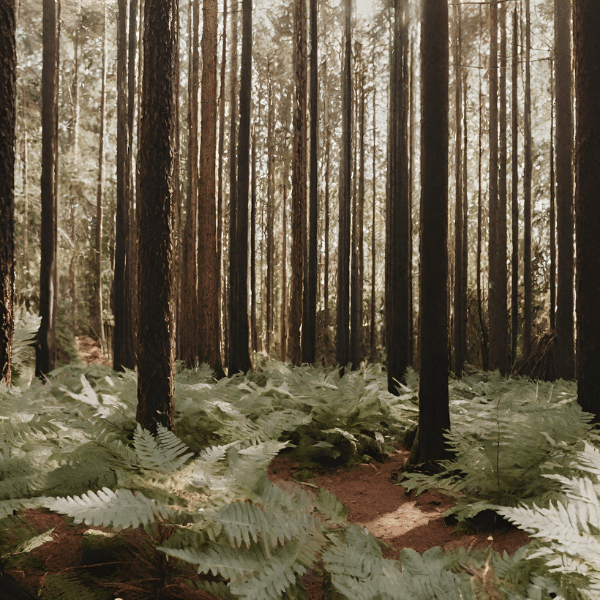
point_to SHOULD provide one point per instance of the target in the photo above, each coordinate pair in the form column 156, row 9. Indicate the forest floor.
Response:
column 370, row 493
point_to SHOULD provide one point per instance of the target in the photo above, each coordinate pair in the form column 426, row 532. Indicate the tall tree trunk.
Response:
column 208, row 340
column 123, row 354
column 565, row 345
column 326, row 208
column 356, row 340
column 482, row 324
column 233, row 142
column 434, row 415
column 373, row 327
column 8, row 119
column 497, row 203
column 239, row 356
column 298, row 183
column 343, row 283
column 156, row 382
column 46, row 337
column 527, row 315
column 397, row 218
column 586, row 24
column 514, row 192
column 98, row 303
column 253, row 332
column 188, row 334
column 459, row 297
column 309, row 322
column 220, row 171
column 552, row 208
column 270, row 212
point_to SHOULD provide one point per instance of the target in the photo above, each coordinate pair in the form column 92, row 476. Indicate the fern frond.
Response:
column 119, row 509
column 167, row 453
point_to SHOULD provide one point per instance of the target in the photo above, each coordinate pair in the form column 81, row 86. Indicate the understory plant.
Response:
column 506, row 436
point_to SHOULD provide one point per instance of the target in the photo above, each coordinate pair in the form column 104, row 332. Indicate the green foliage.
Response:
column 506, row 436
column 568, row 531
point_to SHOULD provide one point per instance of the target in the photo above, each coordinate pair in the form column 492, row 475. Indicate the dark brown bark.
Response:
column 124, row 352
column 270, row 213
column 46, row 337
column 299, row 156
column 586, row 24
column 373, row 327
column 155, row 338
column 343, row 283
column 253, row 331
column 8, row 117
column 528, row 167
column 239, row 356
column 397, row 217
column 233, row 142
column 208, row 283
column 434, row 416
column 552, row 216
column 565, row 345
column 309, row 322
column 189, row 306
column 497, row 286
column 514, row 193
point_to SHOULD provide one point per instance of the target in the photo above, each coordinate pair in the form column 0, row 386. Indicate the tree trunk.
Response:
column 155, row 339
column 309, row 322
column 123, row 354
column 8, row 119
column 98, row 303
column 459, row 294
column 586, row 24
column 343, row 283
column 565, row 345
column 552, row 209
column 298, row 184
column 527, row 316
column 270, row 212
column 434, row 416
column 46, row 337
column 253, row 332
column 189, row 307
column 373, row 327
column 397, row 217
column 208, row 339
column 515, row 193
column 239, row 357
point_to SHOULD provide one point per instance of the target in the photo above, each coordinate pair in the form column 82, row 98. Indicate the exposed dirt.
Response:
column 89, row 351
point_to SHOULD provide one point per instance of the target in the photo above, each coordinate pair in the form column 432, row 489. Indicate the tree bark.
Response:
column 8, row 118
column 373, row 327
column 46, row 337
column 514, row 193
column 586, row 24
column 343, row 283
column 528, row 167
column 270, row 212
column 309, row 322
column 298, row 184
column 434, row 416
column 209, row 335
column 565, row 345
column 239, row 356
column 155, row 340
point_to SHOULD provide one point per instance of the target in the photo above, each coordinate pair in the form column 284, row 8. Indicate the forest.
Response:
column 341, row 233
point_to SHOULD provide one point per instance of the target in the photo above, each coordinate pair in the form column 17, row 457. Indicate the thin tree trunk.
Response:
column 309, row 323
column 565, row 345
column 527, row 316
column 253, row 332
column 552, row 210
column 46, row 337
column 343, row 284
column 270, row 212
column 373, row 326
column 8, row 119
column 515, row 198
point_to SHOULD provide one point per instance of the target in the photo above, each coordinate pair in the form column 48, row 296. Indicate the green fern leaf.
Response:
column 120, row 509
column 165, row 454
